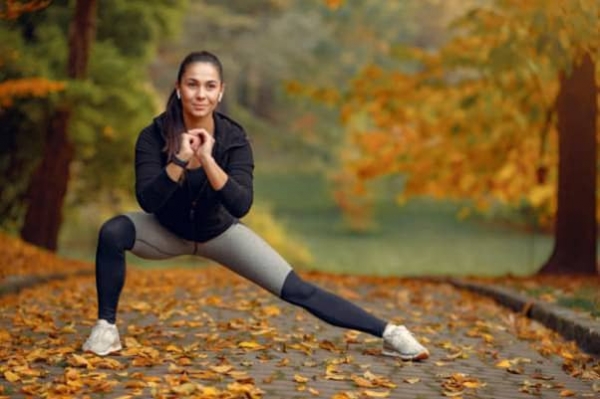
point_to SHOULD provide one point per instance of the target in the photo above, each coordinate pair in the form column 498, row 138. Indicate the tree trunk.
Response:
column 576, row 227
column 48, row 186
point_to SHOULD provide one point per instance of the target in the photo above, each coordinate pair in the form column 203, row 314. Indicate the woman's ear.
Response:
column 222, row 91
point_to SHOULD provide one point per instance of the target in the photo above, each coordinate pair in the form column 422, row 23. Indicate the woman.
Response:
column 194, row 180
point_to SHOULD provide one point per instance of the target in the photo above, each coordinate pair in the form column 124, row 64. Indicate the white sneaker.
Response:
column 104, row 339
column 399, row 342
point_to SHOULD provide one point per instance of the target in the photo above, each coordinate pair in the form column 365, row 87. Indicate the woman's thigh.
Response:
column 153, row 241
column 247, row 254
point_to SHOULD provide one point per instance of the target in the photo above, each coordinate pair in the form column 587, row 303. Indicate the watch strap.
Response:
column 179, row 162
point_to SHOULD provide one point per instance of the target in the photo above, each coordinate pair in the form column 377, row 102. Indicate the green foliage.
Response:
column 110, row 107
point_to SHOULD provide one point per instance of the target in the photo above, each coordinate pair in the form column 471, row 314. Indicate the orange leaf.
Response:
column 566, row 393
column 79, row 361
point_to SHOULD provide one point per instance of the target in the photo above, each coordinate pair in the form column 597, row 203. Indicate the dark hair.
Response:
column 174, row 125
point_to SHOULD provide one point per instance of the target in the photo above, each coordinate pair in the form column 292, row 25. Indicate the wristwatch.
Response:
column 179, row 162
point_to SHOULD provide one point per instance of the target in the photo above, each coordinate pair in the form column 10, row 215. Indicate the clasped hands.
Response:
column 196, row 143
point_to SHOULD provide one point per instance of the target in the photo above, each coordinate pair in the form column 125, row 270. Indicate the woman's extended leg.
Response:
column 329, row 307
column 244, row 252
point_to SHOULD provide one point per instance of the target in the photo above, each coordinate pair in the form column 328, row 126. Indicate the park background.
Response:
column 413, row 156
column 391, row 137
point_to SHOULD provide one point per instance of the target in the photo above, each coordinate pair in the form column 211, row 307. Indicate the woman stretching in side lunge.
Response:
column 194, row 171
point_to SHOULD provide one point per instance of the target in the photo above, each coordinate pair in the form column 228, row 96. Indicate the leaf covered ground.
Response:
column 207, row 333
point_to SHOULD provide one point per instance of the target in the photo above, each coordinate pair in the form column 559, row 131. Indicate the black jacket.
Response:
column 192, row 209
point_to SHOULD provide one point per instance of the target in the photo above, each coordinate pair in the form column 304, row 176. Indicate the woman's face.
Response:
column 200, row 89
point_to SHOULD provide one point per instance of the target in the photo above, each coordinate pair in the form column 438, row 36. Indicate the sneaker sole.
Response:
column 112, row 349
column 392, row 353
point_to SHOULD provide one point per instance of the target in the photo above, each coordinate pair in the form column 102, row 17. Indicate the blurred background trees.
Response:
column 477, row 119
column 468, row 102
column 85, row 129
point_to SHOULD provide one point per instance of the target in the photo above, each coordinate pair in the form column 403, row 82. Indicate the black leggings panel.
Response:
column 116, row 236
column 329, row 307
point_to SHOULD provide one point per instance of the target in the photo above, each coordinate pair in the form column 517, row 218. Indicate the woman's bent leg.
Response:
column 116, row 236
column 145, row 237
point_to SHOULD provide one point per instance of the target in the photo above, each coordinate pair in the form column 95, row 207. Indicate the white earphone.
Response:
column 220, row 96
column 178, row 94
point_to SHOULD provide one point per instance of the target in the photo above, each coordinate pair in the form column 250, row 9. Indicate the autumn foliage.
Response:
column 473, row 120
column 12, row 9
column 27, row 87
column 34, row 86
column 23, row 259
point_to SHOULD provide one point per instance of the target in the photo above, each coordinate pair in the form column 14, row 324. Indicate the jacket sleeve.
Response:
column 237, row 193
column 153, row 186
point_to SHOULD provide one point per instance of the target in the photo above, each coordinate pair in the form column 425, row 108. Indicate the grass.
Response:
column 423, row 237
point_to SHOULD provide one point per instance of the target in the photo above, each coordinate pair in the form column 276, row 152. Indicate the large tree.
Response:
column 48, row 186
column 576, row 226
column 101, row 113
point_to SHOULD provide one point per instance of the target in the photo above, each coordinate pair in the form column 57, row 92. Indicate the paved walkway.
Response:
column 208, row 334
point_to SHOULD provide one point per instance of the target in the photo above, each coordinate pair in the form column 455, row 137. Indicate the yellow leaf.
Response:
column 270, row 311
column 362, row 382
column 452, row 394
column 223, row 369
column 184, row 389
column 473, row 384
column 489, row 338
column 376, row 394
column 175, row 369
column 79, row 361
column 135, row 384
column 412, row 380
column 69, row 329
column 504, row 364
column 131, row 342
column 173, row 348
column 11, row 377
column 250, row 345
column 313, row 392
column 540, row 194
column 300, row 379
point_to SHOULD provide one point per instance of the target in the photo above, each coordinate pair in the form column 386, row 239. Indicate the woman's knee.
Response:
column 118, row 232
column 296, row 290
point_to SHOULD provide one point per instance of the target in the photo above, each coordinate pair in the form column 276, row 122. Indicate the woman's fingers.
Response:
column 194, row 142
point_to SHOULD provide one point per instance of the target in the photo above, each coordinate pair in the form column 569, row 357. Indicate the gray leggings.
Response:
column 238, row 248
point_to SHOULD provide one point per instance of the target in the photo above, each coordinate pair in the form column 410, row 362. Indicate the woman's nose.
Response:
column 201, row 93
